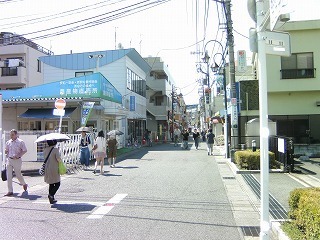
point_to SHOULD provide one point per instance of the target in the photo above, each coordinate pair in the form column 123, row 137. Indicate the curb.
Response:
column 277, row 232
column 275, row 225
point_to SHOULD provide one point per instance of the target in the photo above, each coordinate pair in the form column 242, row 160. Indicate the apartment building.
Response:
column 20, row 67
column 165, row 105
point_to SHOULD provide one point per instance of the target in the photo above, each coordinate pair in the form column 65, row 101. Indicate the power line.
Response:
column 57, row 15
column 116, row 14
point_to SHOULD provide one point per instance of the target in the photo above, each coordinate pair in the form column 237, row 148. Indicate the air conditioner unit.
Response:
column 318, row 103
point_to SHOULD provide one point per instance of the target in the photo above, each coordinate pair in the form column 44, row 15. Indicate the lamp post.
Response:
column 206, row 60
column 97, row 57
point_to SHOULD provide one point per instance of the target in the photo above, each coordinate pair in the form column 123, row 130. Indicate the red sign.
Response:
column 60, row 104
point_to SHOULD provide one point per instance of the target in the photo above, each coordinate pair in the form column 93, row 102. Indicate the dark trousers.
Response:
column 53, row 188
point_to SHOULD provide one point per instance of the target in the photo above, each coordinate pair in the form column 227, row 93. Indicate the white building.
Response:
column 125, row 69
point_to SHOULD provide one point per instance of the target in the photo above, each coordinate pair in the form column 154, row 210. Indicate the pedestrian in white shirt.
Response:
column 100, row 151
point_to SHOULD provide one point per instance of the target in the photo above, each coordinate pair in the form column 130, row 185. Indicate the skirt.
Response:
column 100, row 154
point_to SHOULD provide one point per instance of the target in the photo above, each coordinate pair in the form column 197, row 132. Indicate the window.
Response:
column 298, row 65
column 159, row 100
column 135, row 83
column 79, row 74
column 39, row 65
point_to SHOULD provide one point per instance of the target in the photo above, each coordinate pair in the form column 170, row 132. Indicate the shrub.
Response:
column 304, row 211
column 247, row 159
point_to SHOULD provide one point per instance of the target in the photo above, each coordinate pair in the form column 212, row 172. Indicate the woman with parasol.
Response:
column 51, row 173
column 52, row 156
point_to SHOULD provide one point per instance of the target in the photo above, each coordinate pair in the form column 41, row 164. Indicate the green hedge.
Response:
column 247, row 159
column 305, row 213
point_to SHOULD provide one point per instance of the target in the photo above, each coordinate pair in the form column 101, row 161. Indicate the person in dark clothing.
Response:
column 196, row 137
column 210, row 141
column 185, row 139
column 203, row 134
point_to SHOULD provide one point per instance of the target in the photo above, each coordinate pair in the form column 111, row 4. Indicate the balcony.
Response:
column 159, row 85
column 13, row 76
column 160, row 112
column 298, row 73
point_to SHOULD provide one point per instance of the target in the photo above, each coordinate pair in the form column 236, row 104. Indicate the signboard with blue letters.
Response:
column 93, row 86
column 132, row 103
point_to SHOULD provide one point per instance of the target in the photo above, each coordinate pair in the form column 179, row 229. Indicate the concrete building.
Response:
column 160, row 86
column 32, row 79
column 126, row 71
column 19, row 63
column 293, row 87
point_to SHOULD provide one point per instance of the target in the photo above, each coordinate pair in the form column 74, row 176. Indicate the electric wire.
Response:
column 119, row 13
column 240, row 33
column 57, row 15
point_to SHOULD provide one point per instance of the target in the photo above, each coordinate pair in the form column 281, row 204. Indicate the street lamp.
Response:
column 97, row 57
column 207, row 96
column 216, row 69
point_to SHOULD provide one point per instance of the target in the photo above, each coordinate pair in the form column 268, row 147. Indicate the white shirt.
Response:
column 177, row 132
column 101, row 144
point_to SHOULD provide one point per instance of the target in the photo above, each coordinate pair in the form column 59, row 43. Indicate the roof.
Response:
column 81, row 61
column 88, row 86
column 44, row 113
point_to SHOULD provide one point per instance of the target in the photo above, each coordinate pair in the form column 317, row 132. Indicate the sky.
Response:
column 175, row 30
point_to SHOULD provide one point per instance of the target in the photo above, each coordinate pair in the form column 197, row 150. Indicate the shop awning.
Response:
column 44, row 113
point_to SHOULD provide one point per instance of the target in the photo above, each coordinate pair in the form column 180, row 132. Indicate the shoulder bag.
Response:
column 41, row 170
column 4, row 173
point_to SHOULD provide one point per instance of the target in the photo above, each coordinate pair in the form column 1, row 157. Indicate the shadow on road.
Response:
column 73, row 208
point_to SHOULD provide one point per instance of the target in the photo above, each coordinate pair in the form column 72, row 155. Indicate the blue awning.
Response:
column 44, row 113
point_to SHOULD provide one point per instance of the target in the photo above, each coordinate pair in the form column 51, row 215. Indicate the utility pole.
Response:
column 234, row 101
column 172, row 112
column 264, row 131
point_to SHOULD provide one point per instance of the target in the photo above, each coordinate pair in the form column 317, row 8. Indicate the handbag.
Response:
column 62, row 168
column 4, row 174
column 41, row 170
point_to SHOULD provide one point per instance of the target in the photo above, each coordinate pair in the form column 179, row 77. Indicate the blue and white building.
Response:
column 125, row 69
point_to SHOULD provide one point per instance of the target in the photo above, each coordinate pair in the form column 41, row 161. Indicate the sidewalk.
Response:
column 244, row 193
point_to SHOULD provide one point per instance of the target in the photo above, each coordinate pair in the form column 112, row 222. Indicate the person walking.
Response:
column 185, row 139
column 196, row 137
column 112, row 146
column 51, row 170
column 210, row 142
column 203, row 134
column 100, row 151
column 147, row 138
column 15, row 148
column 84, row 149
column 176, row 135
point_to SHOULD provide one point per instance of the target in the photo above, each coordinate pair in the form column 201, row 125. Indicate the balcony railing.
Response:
column 13, row 75
column 9, row 71
column 298, row 73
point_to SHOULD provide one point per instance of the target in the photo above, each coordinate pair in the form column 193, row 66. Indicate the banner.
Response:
column 132, row 103
column 86, row 110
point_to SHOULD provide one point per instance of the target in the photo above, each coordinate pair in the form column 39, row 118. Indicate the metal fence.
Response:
column 69, row 150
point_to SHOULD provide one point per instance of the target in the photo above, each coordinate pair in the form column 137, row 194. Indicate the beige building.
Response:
column 293, row 87
column 20, row 67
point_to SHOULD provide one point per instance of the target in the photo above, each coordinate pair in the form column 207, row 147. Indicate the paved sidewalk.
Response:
column 244, row 191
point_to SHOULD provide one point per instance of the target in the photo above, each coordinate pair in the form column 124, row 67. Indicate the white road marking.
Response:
column 103, row 210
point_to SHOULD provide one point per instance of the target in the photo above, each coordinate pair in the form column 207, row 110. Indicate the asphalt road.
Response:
column 161, row 192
